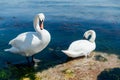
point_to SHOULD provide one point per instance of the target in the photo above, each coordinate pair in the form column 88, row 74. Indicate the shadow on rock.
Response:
column 109, row 74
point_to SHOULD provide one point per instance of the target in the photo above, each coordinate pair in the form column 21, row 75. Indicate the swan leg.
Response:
column 28, row 61
column 85, row 61
column 93, row 55
column 35, row 62
column 86, row 56
column 33, row 59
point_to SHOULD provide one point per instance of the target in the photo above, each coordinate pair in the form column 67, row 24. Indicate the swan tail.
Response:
column 65, row 51
column 69, row 53
column 13, row 50
column 73, row 54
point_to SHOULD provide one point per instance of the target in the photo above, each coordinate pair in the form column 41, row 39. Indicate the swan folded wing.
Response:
column 21, row 41
column 22, row 38
column 17, row 41
column 81, row 45
column 27, row 42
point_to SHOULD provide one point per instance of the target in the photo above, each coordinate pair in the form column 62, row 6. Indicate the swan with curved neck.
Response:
column 90, row 33
column 30, row 43
column 82, row 47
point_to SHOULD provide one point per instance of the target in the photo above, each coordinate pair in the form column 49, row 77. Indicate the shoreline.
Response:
column 93, row 68
column 81, row 69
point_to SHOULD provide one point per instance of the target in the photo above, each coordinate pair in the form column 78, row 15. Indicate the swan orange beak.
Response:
column 41, row 25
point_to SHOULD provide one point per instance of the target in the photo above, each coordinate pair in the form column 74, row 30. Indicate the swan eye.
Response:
column 41, row 20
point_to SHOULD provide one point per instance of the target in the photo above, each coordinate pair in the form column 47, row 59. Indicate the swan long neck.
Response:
column 37, row 26
column 92, row 34
column 36, row 23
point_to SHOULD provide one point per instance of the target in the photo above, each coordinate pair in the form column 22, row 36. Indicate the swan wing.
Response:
column 25, row 40
column 17, row 42
column 19, row 38
column 82, row 45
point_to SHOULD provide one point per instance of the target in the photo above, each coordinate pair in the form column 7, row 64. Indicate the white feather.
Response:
column 82, row 47
column 30, row 43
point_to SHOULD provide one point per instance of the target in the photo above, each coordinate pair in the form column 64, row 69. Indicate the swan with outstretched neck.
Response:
column 82, row 47
column 30, row 43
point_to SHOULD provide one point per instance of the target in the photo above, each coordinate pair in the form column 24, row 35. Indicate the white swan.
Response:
column 30, row 43
column 82, row 47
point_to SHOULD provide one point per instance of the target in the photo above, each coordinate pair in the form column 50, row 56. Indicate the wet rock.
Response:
column 100, row 58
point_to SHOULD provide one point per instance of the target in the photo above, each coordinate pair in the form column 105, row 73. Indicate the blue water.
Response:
column 66, row 20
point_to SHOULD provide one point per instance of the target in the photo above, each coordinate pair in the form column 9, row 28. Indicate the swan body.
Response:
column 82, row 47
column 30, row 43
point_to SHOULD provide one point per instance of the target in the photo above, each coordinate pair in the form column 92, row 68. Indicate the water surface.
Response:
column 66, row 20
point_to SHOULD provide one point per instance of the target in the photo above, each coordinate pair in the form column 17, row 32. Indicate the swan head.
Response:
column 38, row 21
column 41, row 17
column 92, row 35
